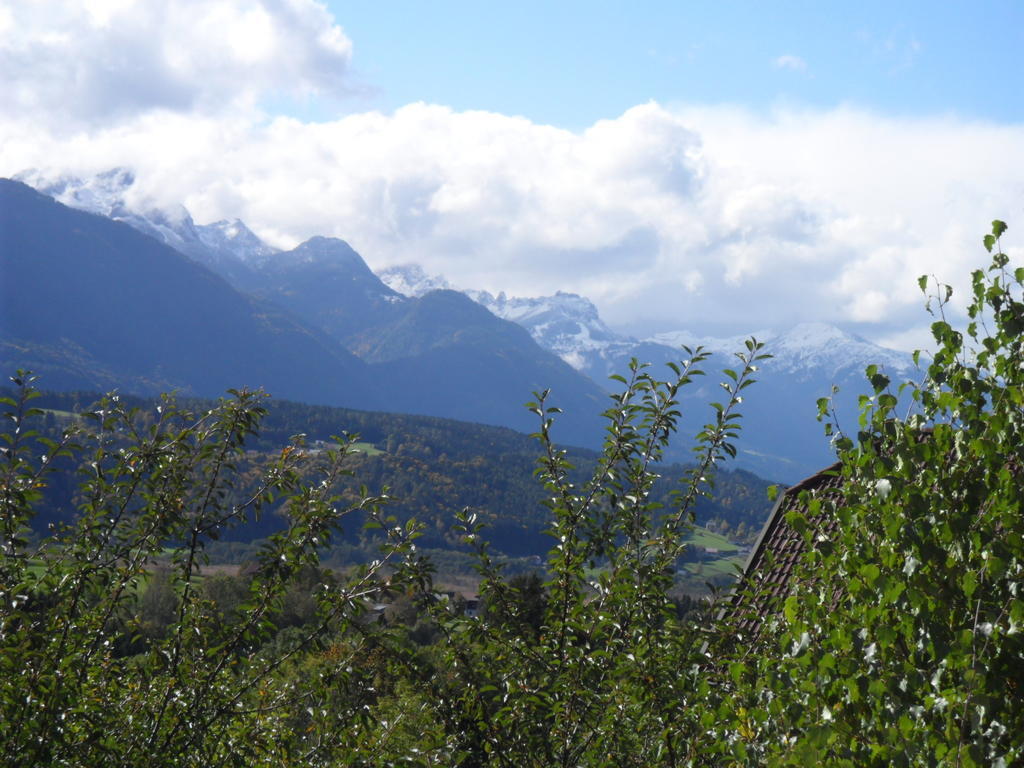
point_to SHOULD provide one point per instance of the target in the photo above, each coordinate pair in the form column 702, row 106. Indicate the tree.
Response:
column 903, row 645
column 600, row 671
column 75, row 688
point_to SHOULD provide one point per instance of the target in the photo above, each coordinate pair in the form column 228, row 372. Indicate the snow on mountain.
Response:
column 410, row 280
column 232, row 236
column 817, row 348
column 782, row 438
column 227, row 247
column 102, row 194
column 720, row 344
column 108, row 194
column 832, row 351
column 570, row 326
column 566, row 323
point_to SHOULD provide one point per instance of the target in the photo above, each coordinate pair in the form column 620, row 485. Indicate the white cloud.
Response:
column 67, row 64
column 789, row 61
column 713, row 219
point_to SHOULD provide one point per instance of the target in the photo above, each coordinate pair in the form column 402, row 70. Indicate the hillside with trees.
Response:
column 432, row 469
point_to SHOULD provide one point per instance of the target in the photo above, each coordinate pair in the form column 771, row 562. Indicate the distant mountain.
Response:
column 568, row 325
column 807, row 351
column 328, row 284
column 436, row 353
column 782, row 437
column 469, row 364
column 229, row 248
column 440, row 355
column 92, row 303
column 410, row 280
column 429, row 351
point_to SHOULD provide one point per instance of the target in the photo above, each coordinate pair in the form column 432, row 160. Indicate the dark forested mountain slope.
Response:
column 432, row 467
column 469, row 364
column 92, row 303
column 329, row 285
column 441, row 354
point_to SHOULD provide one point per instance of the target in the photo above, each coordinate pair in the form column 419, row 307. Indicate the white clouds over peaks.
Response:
column 667, row 218
column 683, row 217
column 66, row 64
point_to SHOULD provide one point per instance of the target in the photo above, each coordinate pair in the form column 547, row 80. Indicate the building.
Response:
column 771, row 567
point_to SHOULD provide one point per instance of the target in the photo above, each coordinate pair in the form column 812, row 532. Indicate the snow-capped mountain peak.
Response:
column 720, row 344
column 234, row 237
column 410, row 280
column 227, row 247
column 804, row 347
column 814, row 335
column 566, row 324
column 826, row 347
column 543, row 309
column 102, row 194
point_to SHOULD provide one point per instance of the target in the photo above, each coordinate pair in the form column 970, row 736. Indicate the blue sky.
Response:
column 572, row 63
column 712, row 167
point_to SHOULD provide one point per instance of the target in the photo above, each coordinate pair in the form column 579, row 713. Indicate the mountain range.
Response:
column 94, row 301
column 400, row 341
column 782, row 436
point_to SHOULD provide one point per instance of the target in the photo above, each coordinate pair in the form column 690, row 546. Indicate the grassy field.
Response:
column 694, row 578
column 724, row 566
column 702, row 537
column 368, row 448
column 698, row 579
column 60, row 414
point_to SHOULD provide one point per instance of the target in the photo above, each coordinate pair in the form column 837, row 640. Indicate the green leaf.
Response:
column 790, row 608
column 969, row 583
column 870, row 573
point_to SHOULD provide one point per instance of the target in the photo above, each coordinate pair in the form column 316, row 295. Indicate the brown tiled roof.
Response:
column 769, row 572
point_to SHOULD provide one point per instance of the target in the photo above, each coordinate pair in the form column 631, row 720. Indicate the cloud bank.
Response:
column 667, row 216
column 70, row 64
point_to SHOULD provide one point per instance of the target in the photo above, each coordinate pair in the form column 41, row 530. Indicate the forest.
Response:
column 897, row 642
column 431, row 467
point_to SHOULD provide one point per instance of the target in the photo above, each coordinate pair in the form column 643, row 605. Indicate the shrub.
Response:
column 76, row 686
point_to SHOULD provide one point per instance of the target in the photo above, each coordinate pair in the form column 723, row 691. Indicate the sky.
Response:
column 715, row 167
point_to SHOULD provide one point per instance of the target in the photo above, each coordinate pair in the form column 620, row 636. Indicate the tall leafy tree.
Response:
column 601, row 671
column 901, row 642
